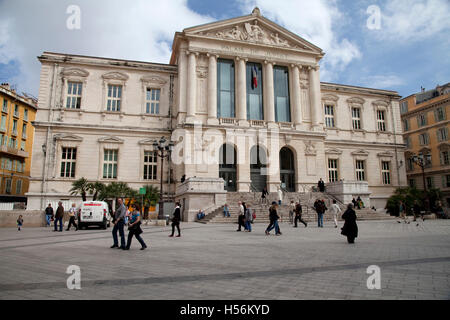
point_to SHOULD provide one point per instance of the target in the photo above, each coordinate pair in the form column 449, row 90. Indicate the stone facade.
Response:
column 188, row 115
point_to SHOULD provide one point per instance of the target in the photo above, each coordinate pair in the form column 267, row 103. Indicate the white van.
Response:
column 94, row 213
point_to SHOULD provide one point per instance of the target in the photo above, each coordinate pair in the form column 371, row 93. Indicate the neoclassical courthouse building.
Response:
column 241, row 100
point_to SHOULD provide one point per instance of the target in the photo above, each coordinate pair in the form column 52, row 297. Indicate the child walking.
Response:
column 19, row 223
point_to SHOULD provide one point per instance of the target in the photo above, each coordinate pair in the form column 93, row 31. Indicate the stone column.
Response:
column 269, row 96
column 315, row 99
column 212, row 90
column 191, row 86
column 241, row 92
column 182, row 76
column 296, row 104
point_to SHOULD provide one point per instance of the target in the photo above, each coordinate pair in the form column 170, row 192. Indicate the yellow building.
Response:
column 425, row 123
column 16, row 142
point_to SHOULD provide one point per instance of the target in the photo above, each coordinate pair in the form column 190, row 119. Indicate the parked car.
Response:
column 94, row 213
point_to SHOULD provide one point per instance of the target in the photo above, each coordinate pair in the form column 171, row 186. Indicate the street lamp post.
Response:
column 163, row 150
column 422, row 161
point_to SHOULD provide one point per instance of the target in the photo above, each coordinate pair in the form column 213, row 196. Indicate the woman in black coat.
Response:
column 350, row 229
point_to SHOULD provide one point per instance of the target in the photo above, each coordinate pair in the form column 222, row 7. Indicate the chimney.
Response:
column 6, row 85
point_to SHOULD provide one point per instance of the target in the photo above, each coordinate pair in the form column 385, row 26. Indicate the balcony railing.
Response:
column 230, row 121
column 14, row 151
column 257, row 123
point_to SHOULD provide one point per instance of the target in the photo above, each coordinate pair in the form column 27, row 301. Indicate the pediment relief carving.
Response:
column 115, row 76
column 146, row 142
column 111, row 139
column 254, row 32
column 356, row 100
column 74, row 72
column 151, row 79
column 310, row 148
column 333, row 151
column 361, row 153
column 330, row 97
column 68, row 137
column 382, row 103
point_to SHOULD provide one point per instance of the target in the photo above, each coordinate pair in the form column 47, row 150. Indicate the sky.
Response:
column 399, row 45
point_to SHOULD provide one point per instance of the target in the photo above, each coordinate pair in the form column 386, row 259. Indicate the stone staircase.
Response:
column 262, row 210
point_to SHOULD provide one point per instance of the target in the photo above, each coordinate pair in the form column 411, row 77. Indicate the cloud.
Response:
column 414, row 20
column 141, row 30
column 316, row 21
column 383, row 81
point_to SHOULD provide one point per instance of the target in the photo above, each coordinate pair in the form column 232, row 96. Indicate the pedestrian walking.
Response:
column 59, row 217
column 402, row 213
column 241, row 216
column 248, row 219
column 176, row 220
column 335, row 210
column 350, row 228
column 134, row 227
column 416, row 210
column 298, row 215
column 226, row 211
column 49, row 215
column 291, row 211
column 273, row 216
column 19, row 222
column 321, row 185
column 119, row 223
column 320, row 207
column 72, row 214
column 263, row 196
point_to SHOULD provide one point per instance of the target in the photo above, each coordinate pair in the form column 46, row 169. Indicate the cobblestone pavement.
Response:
column 216, row 262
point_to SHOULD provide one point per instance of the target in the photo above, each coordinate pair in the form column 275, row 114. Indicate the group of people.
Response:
column 59, row 215
column 358, row 203
column 295, row 214
column 245, row 217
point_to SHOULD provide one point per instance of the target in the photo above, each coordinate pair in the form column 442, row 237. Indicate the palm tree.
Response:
column 81, row 186
column 150, row 198
column 96, row 188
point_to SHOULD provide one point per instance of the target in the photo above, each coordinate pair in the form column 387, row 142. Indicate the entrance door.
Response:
column 287, row 169
column 227, row 167
column 258, row 167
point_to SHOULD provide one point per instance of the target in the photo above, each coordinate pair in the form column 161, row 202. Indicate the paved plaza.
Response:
column 216, row 262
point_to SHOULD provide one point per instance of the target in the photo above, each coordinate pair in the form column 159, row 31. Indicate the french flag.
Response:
column 254, row 77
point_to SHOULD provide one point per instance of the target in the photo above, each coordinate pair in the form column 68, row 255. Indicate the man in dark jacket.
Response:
column 48, row 214
column 350, row 228
column 298, row 215
column 119, row 223
column 59, row 217
column 321, row 185
column 320, row 207
column 176, row 220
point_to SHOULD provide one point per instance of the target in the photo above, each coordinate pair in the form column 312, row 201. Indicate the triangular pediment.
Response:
column 253, row 29
column 68, row 137
column 110, row 139
column 333, row 151
column 360, row 152
column 74, row 72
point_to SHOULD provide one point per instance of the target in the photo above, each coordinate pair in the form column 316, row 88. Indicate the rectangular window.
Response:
column 8, row 184
column 255, row 91
column 409, row 164
column 360, row 170
column 16, row 110
column 152, row 101
column 424, row 139
column 12, row 143
column 408, row 142
column 356, row 118
column 74, row 90
column 150, row 165
column 404, row 107
column 444, row 158
column 281, row 93
column 25, row 114
column 114, row 97
column 18, row 186
column 386, row 172
column 381, row 120
column 447, row 185
column 442, row 134
column 225, row 89
column 405, row 125
column 329, row 116
column 68, row 162
column 110, row 164
column 422, row 120
column 333, row 170
column 5, row 106
column 430, row 182
column 14, row 130
column 22, row 145
column 3, row 123
column 9, row 164
column 412, row 183
column 439, row 114
column 24, row 131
